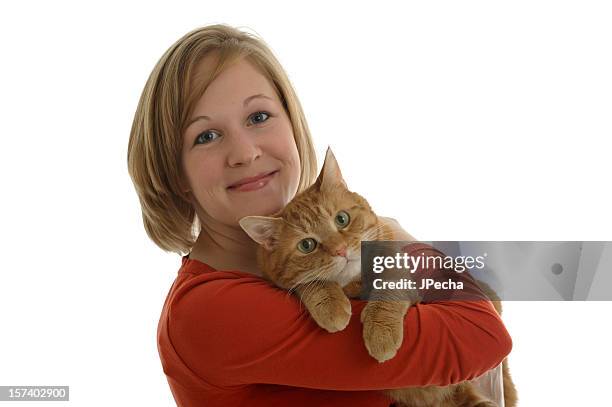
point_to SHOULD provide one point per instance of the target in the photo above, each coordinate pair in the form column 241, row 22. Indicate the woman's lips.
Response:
column 254, row 185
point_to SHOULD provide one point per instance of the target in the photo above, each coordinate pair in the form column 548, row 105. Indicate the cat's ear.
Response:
column 262, row 229
column 330, row 174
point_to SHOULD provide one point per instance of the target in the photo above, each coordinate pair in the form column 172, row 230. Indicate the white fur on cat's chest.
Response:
column 349, row 273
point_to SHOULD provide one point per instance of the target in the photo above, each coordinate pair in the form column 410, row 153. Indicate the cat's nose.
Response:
column 341, row 250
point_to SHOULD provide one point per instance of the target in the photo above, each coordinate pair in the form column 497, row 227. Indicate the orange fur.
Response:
column 324, row 281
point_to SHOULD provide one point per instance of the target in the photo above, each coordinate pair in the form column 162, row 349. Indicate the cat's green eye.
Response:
column 307, row 245
column 342, row 219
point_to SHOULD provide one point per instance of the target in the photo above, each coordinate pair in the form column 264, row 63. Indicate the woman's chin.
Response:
column 266, row 208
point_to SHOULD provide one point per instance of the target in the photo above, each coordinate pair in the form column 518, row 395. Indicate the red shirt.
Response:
column 230, row 338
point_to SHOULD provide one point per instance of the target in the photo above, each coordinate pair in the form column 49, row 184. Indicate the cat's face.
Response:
column 318, row 235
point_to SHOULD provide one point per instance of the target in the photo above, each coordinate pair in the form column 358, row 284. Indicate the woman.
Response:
column 219, row 134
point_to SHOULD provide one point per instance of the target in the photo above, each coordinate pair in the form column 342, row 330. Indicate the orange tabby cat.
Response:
column 312, row 247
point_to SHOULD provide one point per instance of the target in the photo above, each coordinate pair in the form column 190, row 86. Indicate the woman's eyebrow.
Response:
column 245, row 103
column 259, row 95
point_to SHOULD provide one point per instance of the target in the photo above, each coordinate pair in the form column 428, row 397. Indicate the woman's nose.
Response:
column 243, row 152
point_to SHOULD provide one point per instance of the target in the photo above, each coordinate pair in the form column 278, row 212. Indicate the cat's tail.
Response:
column 510, row 394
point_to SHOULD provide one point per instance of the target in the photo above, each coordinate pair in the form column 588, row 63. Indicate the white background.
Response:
column 472, row 120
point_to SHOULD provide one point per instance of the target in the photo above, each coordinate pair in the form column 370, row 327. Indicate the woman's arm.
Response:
column 242, row 330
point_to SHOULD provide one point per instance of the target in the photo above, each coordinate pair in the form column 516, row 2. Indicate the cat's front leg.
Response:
column 383, row 327
column 327, row 304
column 352, row 289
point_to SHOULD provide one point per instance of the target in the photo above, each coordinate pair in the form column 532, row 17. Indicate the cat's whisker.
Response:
column 310, row 286
column 315, row 279
column 373, row 231
column 303, row 280
column 380, row 228
column 295, row 285
column 386, row 235
column 308, row 279
column 300, row 281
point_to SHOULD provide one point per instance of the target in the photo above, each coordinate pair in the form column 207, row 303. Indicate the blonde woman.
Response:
column 219, row 134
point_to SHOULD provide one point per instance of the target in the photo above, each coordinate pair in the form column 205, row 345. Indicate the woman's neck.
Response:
column 226, row 248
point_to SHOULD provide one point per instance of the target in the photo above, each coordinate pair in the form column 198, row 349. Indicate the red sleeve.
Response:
column 243, row 330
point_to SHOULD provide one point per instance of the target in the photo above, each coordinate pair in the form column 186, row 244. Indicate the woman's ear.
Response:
column 262, row 229
column 183, row 181
column 183, row 185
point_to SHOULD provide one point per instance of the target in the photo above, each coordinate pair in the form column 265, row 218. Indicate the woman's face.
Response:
column 239, row 130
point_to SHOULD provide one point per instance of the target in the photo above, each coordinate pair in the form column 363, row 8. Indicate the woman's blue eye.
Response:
column 258, row 114
column 203, row 136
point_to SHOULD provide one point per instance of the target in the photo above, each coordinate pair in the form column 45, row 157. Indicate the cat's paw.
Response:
column 332, row 313
column 382, row 333
column 485, row 403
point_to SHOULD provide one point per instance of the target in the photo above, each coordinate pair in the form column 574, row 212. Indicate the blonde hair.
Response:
column 166, row 103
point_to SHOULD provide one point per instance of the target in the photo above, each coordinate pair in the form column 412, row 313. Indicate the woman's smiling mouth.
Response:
column 252, row 183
